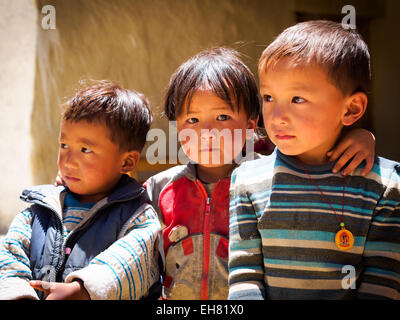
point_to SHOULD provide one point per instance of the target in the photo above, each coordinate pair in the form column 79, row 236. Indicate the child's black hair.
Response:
column 341, row 52
column 126, row 113
column 219, row 70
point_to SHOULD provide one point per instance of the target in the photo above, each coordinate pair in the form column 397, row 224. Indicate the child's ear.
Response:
column 356, row 105
column 130, row 160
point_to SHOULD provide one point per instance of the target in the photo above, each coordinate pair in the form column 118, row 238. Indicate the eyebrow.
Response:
column 217, row 109
column 294, row 87
column 302, row 87
column 82, row 140
column 87, row 142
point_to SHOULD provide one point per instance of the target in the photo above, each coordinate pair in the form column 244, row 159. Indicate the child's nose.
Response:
column 279, row 114
column 70, row 161
column 207, row 134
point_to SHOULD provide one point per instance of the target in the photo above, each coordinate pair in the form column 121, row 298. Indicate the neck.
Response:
column 313, row 159
column 92, row 198
column 318, row 155
column 213, row 174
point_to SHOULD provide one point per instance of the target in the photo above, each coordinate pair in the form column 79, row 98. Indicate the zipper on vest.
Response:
column 206, row 252
column 206, row 240
column 206, row 245
column 66, row 251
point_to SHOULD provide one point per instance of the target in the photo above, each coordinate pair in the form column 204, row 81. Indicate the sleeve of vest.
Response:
column 15, row 271
column 128, row 268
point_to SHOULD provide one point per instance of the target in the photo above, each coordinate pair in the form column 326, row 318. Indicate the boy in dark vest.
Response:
column 95, row 237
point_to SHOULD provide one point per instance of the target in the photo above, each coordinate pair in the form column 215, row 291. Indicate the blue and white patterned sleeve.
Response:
column 246, row 269
column 129, row 267
column 15, row 271
column 381, row 258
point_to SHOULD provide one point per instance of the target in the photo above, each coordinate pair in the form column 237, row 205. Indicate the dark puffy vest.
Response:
column 48, row 258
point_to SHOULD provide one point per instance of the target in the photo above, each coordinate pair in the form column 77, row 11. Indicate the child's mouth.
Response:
column 284, row 137
column 71, row 179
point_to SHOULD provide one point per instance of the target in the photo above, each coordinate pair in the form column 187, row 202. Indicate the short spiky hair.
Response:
column 342, row 53
column 219, row 70
column 126, row 113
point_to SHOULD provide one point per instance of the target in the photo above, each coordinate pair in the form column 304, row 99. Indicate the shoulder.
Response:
column 389, row 172
column 41, row 191
column 254, row 171
column 384, row 171
column 167, row 175
column 386, row 166
column 44, row 196
column 156, row 183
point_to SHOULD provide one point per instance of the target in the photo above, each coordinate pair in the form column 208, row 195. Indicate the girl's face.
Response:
column 211, row 134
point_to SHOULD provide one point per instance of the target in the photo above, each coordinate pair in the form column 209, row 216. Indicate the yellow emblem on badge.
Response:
column 344, row 239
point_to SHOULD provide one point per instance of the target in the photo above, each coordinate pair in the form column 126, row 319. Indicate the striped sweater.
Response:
column 282, row 231
column 125, row 270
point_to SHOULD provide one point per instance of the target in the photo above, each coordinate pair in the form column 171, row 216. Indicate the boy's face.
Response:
column 207, row 131
column 89, row 162
column 302, row 110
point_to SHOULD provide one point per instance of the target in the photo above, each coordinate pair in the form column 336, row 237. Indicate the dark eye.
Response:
column 63, row 146
column 298, row 100
column 223, row 117
column 192, row 120
column 85, row 150
column 267, row 98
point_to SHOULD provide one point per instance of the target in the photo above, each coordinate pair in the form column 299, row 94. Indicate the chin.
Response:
column 212, row 165
column 289, row 151
column 76, row 190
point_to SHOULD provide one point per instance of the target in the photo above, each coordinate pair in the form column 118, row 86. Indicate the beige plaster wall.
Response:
column 17, row 60
column 138, row 44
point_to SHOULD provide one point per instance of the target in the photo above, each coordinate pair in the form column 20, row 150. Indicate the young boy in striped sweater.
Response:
column 95, row 237
column 297, row 230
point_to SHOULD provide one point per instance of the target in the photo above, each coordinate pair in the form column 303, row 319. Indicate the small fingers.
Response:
column 38, row 285
column 58, row 182
column 335, row 153
column 359, row 157
column 345, row 157
column 369, row 163
column 42, row 285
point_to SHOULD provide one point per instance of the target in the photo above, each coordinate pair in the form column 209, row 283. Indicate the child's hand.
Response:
column 59, row 181
column 61, row 291
column 358, row 143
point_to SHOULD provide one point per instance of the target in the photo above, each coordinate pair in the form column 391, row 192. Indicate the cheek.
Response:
column 60, row 160
column 236, row 141
column 267, row 114
column 189, row 140
column 95, row 168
